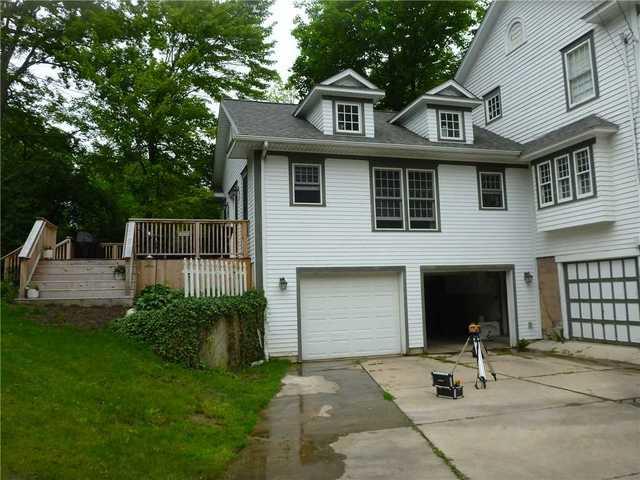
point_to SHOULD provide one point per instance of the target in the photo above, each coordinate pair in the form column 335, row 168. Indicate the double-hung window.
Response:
column 387, row 196
column 493, row 105
column 581, row 80
column 450, row 125
column 545, row 184
column 348, row 117
column 583, row 174
column 306, row 183
column 563, row 179
column 421, row 196
column 492, row 195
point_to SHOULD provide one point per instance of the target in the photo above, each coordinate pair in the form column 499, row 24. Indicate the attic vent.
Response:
column 515, row 35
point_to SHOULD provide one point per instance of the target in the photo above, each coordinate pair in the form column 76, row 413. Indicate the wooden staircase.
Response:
column 85, row 282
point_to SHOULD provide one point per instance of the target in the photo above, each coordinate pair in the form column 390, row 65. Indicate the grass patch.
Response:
column 387, row 396
column 80, row 404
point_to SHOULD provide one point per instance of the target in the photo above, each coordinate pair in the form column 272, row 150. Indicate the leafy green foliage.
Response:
column 404, row 47
column 8, row 291
column 176, row 331
column 522, row 345
column 84, row 404
column 157, row 296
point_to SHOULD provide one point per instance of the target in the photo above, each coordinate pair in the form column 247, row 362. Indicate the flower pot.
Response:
column 47, row 254
column 33, row 293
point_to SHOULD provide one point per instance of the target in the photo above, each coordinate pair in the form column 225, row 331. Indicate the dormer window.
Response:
column 348, row 117
column 450, row 125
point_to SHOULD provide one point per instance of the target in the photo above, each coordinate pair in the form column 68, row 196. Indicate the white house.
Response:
column 375, row 232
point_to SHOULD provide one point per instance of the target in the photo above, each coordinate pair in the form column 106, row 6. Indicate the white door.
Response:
column 350, row 314
column 603, row 302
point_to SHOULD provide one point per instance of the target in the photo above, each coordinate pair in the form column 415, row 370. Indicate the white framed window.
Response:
column 564, row 186
column 306, row 184
column 516, row 35
column 545, row 185
column 493, row 105
column 348, row 117
column 583, row 173
column 387, row 198
column 580, row 73
column 451, row 126
column 492, row 195
column 422, row 199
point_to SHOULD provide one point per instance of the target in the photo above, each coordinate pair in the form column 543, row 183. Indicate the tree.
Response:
column 404, row 47
column 153, row 69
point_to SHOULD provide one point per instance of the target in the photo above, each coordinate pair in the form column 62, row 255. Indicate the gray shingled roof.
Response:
column 571, row 130
column 262, row 119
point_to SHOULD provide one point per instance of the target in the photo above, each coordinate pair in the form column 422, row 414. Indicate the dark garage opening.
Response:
column 454, row 300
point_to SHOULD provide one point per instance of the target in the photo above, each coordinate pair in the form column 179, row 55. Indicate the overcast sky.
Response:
column 285, row 51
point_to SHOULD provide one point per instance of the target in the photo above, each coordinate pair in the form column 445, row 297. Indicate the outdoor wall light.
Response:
column 528, row 277
column 283, row 283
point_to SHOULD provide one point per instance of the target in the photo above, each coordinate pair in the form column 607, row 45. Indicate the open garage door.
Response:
column 602, row 300
column 350, row 314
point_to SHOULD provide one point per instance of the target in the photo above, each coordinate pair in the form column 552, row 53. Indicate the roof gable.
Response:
column 451, row 88
column 349, row 78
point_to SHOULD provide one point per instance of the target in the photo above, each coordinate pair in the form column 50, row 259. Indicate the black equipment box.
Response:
column 445, row 386
column 450, row 392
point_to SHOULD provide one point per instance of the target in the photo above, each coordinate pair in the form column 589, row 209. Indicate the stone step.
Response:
column 49, row 283
column 82, row 294
column 82, row 302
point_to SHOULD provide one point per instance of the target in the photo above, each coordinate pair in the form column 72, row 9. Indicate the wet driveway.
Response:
column 331, row 421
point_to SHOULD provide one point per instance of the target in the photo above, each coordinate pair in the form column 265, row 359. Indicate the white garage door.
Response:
column 602, row 300
column 350, row 314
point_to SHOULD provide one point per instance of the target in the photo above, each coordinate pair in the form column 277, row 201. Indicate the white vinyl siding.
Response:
column 534, row 104
column 545, row 184
column 580, row 73
column 564, row 183
column 341, row 234
column 418, row 123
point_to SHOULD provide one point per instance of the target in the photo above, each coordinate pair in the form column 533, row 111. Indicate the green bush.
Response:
column 8, row 291
column 157, row 296
column 177, row 331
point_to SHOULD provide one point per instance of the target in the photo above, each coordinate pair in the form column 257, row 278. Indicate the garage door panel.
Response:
column 602, row 300
column 347, row 314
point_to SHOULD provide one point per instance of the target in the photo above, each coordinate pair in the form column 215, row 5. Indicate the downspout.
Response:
column 263, row 156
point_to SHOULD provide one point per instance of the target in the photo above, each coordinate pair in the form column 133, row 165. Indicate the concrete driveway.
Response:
column 545, row 417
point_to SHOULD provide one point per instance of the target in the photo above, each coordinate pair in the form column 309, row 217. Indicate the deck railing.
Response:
column 190, row 238
column 63, row 249
column 112, row 250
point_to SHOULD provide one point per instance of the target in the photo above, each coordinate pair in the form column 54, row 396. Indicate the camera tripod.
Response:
column 480, row 354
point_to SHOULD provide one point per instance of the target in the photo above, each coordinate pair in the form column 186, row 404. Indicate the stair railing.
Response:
column 62, row 250
column 11, row 266
column 42, row 236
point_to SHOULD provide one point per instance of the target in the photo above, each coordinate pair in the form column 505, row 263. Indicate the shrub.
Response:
column 522, row 345
column 8, row 290
column 157, row 296
column 177, row 331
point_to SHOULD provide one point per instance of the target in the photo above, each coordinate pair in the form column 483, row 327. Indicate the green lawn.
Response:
column 87, row 404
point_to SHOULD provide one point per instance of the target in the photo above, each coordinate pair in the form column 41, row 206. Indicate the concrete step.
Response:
column 54, row 283
column 82, row 302
column 81, row 294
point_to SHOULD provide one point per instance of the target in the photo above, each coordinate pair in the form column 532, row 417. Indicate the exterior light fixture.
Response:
column 528, row 277
column 283, row 283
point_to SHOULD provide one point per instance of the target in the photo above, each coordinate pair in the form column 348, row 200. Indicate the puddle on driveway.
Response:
column 295, row 385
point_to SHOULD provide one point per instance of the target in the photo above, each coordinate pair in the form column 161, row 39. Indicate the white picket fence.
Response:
column 212, row 278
